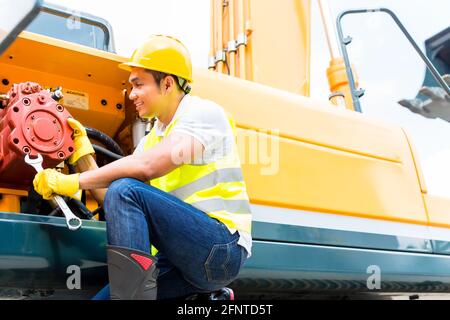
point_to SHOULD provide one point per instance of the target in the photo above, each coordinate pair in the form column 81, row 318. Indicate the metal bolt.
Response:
column 41, row 99
column 57, row 94
column 55, row 142
column 33, row 138
column 54, row 121
column 33, row 117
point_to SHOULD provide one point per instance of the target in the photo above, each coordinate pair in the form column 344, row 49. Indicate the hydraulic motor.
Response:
column 31, row 122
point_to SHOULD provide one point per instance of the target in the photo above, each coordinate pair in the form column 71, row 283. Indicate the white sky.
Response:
column 388, row 67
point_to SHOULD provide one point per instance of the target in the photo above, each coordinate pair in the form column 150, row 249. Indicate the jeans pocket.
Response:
column 223, row 262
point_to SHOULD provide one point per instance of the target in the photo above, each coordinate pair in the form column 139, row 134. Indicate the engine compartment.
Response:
column 31, row 122
column 92, row 89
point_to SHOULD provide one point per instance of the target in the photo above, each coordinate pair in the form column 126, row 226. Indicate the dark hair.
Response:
column 159, row 76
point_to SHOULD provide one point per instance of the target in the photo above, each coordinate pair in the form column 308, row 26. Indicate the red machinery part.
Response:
column 32, row 122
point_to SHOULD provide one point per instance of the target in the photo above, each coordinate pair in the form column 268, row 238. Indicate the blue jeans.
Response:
column 196, row 252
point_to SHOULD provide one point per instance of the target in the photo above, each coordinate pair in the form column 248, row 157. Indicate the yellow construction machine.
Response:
column 340, row 206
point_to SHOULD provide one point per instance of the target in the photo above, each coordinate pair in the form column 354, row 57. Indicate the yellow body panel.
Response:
column 51, row 63
column 438, row 210
column 330, row 160
column 420, row 176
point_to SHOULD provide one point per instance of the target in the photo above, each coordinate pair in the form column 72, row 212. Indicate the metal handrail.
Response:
column 356, row 94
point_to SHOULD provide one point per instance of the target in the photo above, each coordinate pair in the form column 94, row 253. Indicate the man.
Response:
column 194, row 207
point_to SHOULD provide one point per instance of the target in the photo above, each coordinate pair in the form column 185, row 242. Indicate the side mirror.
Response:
column 15, row 15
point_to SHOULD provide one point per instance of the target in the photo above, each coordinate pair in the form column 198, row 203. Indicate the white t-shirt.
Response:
column 207, row 122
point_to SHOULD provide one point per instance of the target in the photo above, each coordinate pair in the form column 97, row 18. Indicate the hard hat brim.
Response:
column 128, row 65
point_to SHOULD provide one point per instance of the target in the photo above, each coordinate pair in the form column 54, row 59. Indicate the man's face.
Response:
column 146, row 94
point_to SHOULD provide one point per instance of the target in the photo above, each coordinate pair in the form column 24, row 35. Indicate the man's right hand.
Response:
column 50, row 182
column 80, row 140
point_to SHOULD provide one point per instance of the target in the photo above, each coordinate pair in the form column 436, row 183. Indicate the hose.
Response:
column 113, row 151
column 106, row 152
column 83, row 209
column 104, row 139
column 80, row 206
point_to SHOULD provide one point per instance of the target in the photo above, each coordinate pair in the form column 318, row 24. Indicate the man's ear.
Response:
column 168, row 84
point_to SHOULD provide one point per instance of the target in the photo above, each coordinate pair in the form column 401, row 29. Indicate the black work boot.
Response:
column 221, row 294
column 132, row 274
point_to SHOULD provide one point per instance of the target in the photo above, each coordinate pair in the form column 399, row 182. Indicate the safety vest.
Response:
column 216, row 188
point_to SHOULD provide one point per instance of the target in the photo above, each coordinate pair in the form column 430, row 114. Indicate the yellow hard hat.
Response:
column 164, row 54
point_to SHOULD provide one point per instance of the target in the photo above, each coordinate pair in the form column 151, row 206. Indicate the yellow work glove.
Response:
column 50, row 182
column 80, row 140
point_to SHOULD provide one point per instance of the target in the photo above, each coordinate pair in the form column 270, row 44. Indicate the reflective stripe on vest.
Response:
column 216, row 188
column 208, row 181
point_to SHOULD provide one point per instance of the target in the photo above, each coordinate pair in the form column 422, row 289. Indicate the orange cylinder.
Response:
column 338, row 81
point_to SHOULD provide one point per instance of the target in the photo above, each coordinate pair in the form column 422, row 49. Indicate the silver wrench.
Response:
column 72, row 221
